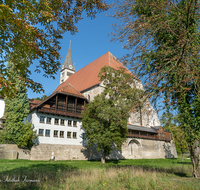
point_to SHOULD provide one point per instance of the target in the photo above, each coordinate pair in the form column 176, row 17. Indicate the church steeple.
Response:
column 68, row 67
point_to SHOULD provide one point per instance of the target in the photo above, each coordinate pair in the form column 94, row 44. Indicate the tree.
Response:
column 15, row 130
column 164, row 37
column 42, row 98
column 180, row 140
column 31, row 30
column 169, row 122
column 105, row 118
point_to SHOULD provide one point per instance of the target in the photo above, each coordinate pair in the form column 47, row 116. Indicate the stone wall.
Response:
column 11, row 151
column 132, row 149
column 144, row 148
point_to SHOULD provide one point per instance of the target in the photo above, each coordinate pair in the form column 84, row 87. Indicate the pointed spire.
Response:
column 68, row 60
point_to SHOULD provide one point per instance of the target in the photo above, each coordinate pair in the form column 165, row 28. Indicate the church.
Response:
column 57, row 119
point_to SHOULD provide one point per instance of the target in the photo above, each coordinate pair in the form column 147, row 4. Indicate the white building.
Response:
column 2, row 110
column 57, row 118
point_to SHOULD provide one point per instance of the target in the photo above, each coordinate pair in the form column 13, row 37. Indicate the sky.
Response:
column 91, row 42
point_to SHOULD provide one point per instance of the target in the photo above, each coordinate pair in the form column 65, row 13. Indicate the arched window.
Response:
column 88, row 97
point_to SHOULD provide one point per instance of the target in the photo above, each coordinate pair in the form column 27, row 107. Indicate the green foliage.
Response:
column 16, row 110
column 31, row 30
column 165, row 39
column 105, row 123
column 105, row 118
column 180, row 139
column 169, row 122
column 40, row 98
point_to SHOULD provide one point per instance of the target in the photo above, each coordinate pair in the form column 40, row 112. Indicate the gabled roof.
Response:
column 88, row 75
column 69, row 89
column 66, row 89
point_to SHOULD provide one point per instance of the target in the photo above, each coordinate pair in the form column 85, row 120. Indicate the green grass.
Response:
column 121, row 174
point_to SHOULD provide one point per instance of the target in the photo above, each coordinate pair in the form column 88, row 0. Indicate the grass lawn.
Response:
column 121, row 174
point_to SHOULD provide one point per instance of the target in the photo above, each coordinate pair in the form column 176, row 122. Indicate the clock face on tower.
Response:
column 70, row 66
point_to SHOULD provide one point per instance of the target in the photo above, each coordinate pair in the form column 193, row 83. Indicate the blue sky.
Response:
column 91, row 42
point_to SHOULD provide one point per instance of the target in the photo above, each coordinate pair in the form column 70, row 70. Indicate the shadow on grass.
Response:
column 34, row 176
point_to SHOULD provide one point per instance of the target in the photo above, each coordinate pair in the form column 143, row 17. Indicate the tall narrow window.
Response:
column 74, row 135
column 69, row 134
column 74, row 123
column 69, row 123
column 61, row 134
column 55, row 133
column 48, row 120
column 41, row 131
column 88, row 97
column 62, row 122
column 47, row 133
column 42, row 118
column 56, row 121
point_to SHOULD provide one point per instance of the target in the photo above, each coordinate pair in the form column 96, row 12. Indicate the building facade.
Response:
column 57, row 120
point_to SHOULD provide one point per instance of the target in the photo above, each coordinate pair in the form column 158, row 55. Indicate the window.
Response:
column 88, row 97
column 48, row 120
column 68, row 74
column 56, row 121
column 63, row 73
column 62, row 122
column 74, row 135
column 74, row 123
column 40, row 132
column 47, row 133
column 61, row 134
column 69, row 134
column 55, row 134
column 42, row 118
column 70, row 123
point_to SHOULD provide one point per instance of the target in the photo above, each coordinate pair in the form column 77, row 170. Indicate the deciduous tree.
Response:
column 105, row 118
column 164, row 40
column 31, row 30
column 170, row 122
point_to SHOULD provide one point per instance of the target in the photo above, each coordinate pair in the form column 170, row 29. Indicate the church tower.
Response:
column 67, row 68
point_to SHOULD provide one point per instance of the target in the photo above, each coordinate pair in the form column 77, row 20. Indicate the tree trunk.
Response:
column 195, row 157
column 103, row 160
column 182, row 153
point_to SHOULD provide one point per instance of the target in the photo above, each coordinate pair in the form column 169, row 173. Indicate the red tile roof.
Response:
column 34, row 103
column 88, row 75
column 65, row 89
column 69, row 89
